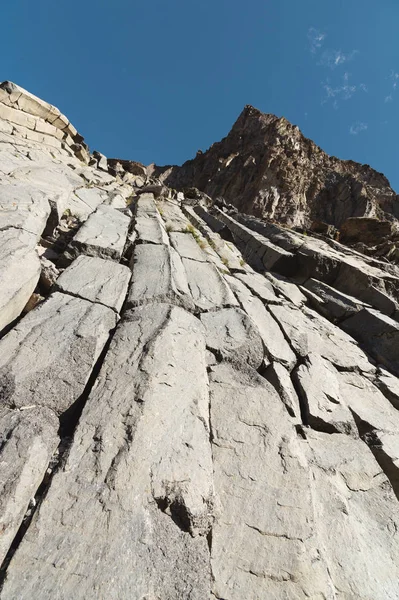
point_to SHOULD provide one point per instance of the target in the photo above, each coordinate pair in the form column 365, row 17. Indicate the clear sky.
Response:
column 155, row 81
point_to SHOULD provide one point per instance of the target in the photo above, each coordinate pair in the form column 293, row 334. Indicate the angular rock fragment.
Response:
column 103, row 235
column 309, row 332
column 280, row 379
column 286, row 288
column 116, row 521
column 23, row 207
column 277, row 347
column 208, row 288
column 48, row 357
column 232, row 335
column 330, row 302
column 186, row 246
column 323, row 408
column 97, row 280
column 28, row 440
column 149, row 225
column 158, row 276
column 389, row 386
column 260, row 286
column 378, row 333
column 19, row 272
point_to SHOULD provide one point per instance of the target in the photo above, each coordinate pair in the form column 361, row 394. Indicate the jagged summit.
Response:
column 195, row 403
column 266, row 167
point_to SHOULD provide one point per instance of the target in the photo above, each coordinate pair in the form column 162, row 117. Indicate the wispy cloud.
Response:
column 316, row 39
column 335, row 58
column 344, row 90
column 388, row 98
column 394, row 77
column 357, row 127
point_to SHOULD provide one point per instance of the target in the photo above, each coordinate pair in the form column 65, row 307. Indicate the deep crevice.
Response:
column 369, row 435
column 68, row 423
column 177, row 511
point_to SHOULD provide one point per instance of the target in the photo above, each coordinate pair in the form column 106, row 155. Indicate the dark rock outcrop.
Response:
column 266, row 167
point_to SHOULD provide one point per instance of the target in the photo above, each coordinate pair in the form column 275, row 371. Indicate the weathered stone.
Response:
column 102, row 235
column 280, row 379
column 389, row 386
column 355, row 504
column 364, row 229
column 286, row 288
column 84, row 201
column 25, row 207
column 48, row 357
column 227, row 252
column 309, row 332
column 158, row 276
column 28, row 439
column 20, row 271
column 369, row 284
column 260, row 286
column 231, row 335
column 277, row 348
column 330, row 302
column 33, row 301
column 48, row 274
column 137, row 479
column 186, row 245
column 378, row 333
column 322, row 406
column 149, row 225
column 264, row 542
column 208, row 288
column 97, row 280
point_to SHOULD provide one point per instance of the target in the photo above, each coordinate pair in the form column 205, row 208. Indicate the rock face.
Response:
column 266, row 167
column 194, row 403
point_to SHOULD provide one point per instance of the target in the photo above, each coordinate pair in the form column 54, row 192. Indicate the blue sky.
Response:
column 156, row 81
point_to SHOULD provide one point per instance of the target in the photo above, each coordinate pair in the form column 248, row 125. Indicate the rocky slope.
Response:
column 194, row 403
column 266, row 167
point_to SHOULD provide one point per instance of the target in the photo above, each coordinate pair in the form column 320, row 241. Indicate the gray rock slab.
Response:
column 150, row 229
column 187, row 246
column 149, row 225
column 310, row 332
column 368, row 403
column 116, row 521
column 158, row 276
column 233, row 336
column 260, row 286
column 97, row 280
column 369, row 284
column 103, row 235
column 264, row 541
column 48, row 357
column 331, row 302
column 208, row 288
column 172, row 215
column 214, row 223
column 228, row 253
column 84, row 201
column 378, row 333
column 28, row 439
column 277, row 348
column 19, row 272
column 286, row 288
column 280, row 379
column 355, row 504
column 318, row 385
column 389, row 386
column 23, row 207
